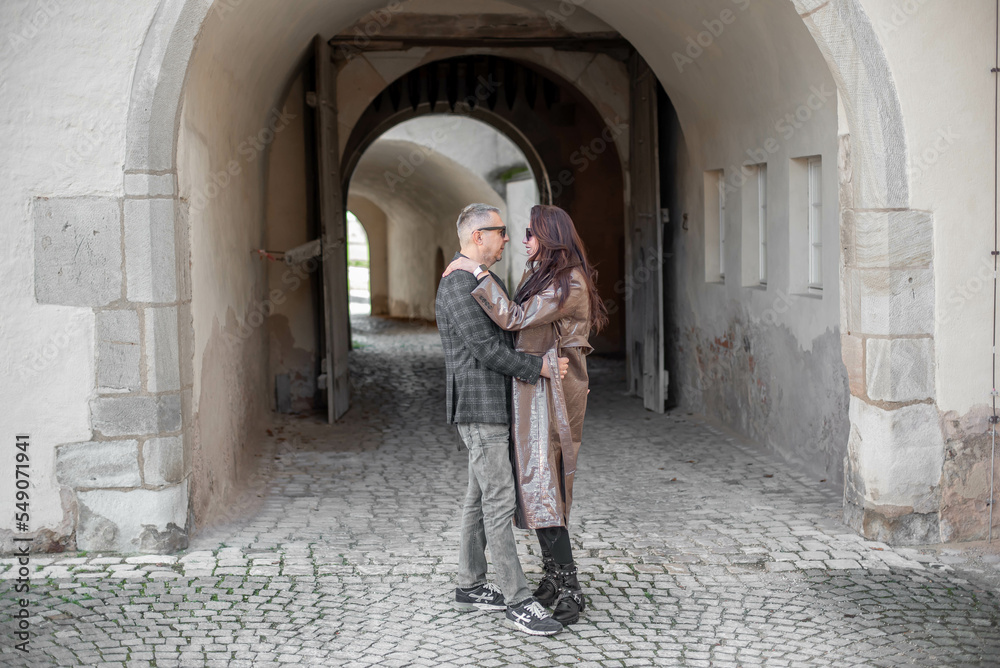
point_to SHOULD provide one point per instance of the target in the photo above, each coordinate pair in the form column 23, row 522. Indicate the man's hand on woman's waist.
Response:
column 563, row 368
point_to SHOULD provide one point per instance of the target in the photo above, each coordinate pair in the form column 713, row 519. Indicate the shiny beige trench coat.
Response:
column 547, row 422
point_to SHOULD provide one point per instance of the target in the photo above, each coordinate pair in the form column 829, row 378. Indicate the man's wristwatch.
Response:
column 482, row 271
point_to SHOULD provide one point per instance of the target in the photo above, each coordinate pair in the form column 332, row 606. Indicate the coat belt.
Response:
column 562, row 415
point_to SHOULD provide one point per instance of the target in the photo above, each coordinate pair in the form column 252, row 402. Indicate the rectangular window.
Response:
column 753, row 226
column 805, row 226
column 762, row 221
column 722, row 227
column 715, row 226
column 815, row 198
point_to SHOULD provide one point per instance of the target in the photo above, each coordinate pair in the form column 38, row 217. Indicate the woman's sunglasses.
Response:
column 527, row 234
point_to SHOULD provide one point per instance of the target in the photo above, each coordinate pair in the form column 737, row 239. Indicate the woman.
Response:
column 554, row 310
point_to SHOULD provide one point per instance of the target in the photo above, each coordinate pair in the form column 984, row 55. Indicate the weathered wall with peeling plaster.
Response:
column 764, row 361
column 226, row 131
column 291, row 326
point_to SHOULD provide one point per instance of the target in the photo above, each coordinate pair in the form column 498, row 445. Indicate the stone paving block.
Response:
column 727, row 584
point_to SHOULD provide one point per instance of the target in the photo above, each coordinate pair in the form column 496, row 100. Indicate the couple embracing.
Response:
column 517, row 391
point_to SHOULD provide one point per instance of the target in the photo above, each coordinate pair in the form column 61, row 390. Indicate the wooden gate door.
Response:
column 334, row 234
column 644, row 245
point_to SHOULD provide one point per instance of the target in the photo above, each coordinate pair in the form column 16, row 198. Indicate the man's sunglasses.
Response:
column 502, row 229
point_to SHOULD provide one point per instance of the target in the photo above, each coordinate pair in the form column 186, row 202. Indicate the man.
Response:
column 479, row 358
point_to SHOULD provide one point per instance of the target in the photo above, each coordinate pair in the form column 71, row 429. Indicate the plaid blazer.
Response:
column 479, row 356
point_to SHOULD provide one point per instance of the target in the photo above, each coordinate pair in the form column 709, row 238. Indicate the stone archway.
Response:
column 373, row 125
column 896, row 447
column 887, row 290
column 532, row 111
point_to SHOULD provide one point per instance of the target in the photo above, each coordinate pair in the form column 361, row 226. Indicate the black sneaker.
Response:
column 530, row 617
column 484, row 597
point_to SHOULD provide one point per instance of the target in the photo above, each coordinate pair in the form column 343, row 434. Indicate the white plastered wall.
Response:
column 946, row 93
column 64, row 96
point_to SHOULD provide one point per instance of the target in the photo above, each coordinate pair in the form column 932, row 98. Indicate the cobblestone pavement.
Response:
column 695, row 550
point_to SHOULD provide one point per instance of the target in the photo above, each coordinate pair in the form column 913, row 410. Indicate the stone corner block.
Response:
column 98, row 464
column 806, row 6
column 892, row 528
column 163, row 460
column 118, row 351
column 852, row 353
column 150, row 250
column 900, row 369
column 894, row 301
column 139, row 520
column 135, row 416
column 78, row 260
column 149, row 185
column 894, row 239
column 847, row 243
column 162, row 357
column 896, row 456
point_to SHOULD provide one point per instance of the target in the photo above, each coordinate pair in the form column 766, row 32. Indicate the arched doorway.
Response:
column 870, row 178
column 358, row 266
column 420, row 174
column 553, row 124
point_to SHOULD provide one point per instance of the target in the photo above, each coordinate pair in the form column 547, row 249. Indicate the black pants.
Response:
column 555, row 543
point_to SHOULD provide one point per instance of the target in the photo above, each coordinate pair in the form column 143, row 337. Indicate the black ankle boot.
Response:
column 569, row 602
column 548, row 587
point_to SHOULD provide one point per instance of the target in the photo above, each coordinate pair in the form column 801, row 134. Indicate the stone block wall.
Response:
column 116, row 256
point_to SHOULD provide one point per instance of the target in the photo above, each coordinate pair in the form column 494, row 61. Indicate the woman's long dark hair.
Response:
column 559, row 250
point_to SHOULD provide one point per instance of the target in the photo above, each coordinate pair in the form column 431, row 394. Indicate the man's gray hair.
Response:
column 472, row 217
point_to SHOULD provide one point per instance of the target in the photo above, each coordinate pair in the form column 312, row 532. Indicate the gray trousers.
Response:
column 488, row 513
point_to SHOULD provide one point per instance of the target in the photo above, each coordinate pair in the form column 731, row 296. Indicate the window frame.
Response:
column 814, row 199
column 762, row 223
